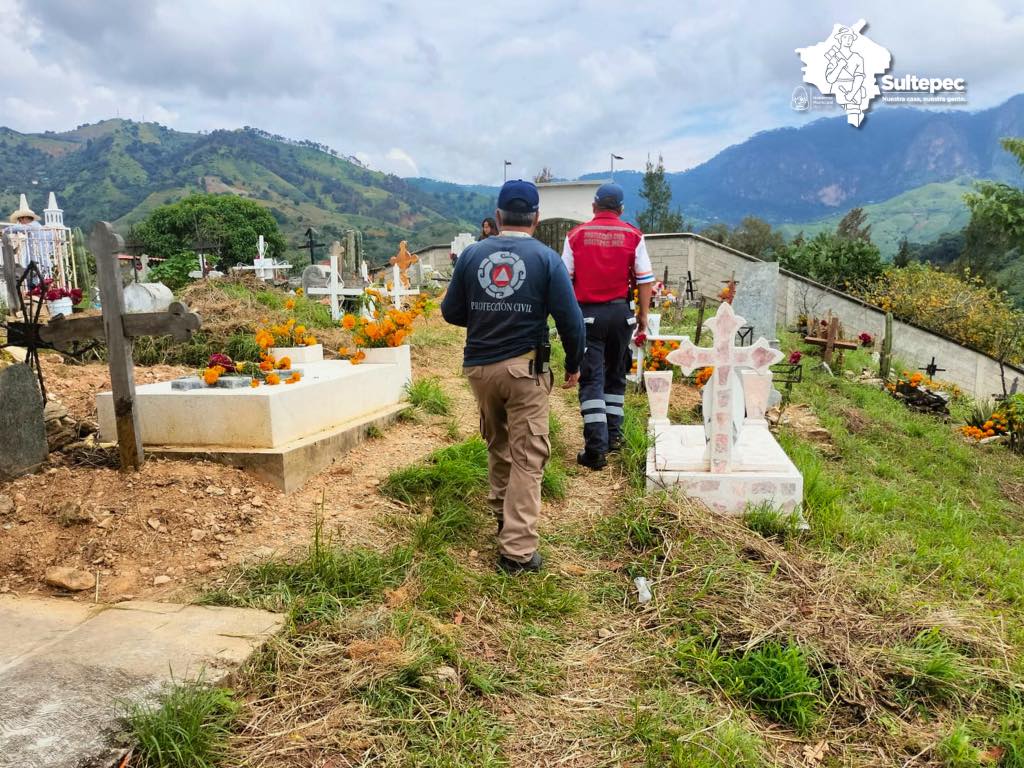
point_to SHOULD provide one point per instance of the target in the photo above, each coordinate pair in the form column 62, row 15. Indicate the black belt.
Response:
column 603, row 303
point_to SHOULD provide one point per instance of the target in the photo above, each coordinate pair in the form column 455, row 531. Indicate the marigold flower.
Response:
column 267, row 365
column 310, row 341
column 272, row 379
column 211, row 375
column 348, row 322
column 299, row 292
column 254, row 383
column 284, row 364
column 289, row 304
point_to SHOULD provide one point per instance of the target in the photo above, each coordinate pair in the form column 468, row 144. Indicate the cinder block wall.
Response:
column 711, row 264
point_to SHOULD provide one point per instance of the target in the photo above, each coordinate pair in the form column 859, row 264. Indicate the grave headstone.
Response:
column 23, row 446
column 147, row 297
column 755, row 299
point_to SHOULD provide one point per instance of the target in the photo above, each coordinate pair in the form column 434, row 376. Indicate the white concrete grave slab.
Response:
column 732, row 461
column 283, row 433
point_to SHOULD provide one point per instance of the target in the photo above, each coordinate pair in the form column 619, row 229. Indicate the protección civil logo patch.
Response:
column 501, row 274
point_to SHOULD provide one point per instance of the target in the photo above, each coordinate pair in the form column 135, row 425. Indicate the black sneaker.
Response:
column 590, row 460
column 508, row 565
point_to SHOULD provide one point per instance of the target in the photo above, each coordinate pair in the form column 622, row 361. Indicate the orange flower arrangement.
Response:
column 656, row 359
column 272, row 379
column 389, row 327
column 212, row 374
column 703, row 376
column 287, row 334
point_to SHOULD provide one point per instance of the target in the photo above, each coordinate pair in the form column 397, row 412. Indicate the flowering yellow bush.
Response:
column 961, row 307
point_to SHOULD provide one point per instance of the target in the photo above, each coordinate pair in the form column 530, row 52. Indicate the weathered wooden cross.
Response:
column 932, row 368
column 831, row 341
column 118, row 329
column 724, row 356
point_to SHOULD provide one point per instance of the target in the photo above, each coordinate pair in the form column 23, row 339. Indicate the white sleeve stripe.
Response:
column 642, row 263
column 567, row 257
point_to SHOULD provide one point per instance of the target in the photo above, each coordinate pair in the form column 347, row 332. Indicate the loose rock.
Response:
column 71, row 579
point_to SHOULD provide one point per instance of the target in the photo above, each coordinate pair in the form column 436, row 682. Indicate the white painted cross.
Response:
column 397, row 290
column 724, row 356
column 335, row 286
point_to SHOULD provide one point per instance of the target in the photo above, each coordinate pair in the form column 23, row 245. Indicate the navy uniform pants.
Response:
column 603, row 372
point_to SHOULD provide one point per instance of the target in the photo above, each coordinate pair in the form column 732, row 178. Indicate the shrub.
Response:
column 960, row 306
column 173, row 271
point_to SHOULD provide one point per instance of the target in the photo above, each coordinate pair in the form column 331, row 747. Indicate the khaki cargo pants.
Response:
column 514, row 423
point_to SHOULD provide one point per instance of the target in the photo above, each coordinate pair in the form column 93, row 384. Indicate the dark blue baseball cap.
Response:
column 518, row 196
column 609, row 195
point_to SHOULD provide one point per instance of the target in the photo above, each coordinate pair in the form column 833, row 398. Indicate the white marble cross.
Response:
column 335, row 286
column 398, row 290
column 724, row 356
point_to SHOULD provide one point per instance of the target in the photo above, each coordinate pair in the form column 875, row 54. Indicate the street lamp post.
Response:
column 504, row 171
column 614, row 158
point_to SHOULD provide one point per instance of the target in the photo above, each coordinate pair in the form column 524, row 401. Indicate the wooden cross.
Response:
column 831, row 342
column 119, row 328
column 724, row 356
column 311, row 245
column 690, row 293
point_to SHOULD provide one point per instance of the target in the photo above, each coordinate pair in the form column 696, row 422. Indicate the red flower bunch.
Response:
column 866, row 339
column 223, row 361
column 795, row 357
column 640, row 339
column 49, row 293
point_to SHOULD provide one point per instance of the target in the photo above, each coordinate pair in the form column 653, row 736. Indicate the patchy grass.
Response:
column 772, row 522
column 327, row 580
column 887, row 635
column 428, row 394
column 187, row 727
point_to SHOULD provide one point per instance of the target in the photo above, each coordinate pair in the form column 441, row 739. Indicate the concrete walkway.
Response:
column 66, row 668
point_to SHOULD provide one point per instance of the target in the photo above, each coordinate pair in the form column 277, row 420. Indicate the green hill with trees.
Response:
column 120, row 170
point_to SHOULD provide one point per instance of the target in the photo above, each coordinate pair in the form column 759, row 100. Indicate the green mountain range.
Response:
column 921, row 215
column 119, row 170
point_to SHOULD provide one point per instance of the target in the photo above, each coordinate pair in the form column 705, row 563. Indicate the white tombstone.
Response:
column 733, row 460
column 334, row 282
column 147, row 297
column 461, row 242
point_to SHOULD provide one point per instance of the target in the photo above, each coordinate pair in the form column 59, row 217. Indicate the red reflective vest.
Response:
column 601, row 256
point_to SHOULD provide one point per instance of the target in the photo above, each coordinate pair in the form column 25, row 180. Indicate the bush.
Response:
column 960, row 306
column 173, row 271
column 776, row 679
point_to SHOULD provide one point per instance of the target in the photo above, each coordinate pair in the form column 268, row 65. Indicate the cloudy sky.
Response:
column 450, row 89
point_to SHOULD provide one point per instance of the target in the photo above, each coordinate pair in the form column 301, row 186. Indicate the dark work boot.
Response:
column 510, row 566
column 590, row 460
column 614, row 444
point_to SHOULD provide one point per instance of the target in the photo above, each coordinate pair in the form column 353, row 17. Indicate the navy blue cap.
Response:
column 518, row 196
column 609, row 195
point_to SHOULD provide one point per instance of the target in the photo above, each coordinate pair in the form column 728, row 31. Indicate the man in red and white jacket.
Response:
column 604, row 257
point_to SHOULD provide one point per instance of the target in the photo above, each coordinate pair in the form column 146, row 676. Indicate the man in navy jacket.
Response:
column 502, row 291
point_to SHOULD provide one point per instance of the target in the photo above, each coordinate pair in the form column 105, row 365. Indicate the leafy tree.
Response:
column 1000, row 206
column 902, row 257
column 544, row 176
column 658, row 216
column 756, row 237
column 233, row 223
column 719, row 232
column 854, row 226
column 173, row 271
column 834, row 261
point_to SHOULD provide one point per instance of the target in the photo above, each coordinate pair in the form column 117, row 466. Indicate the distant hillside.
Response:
column 120, row 170
column 921, row 215
column 806, row 173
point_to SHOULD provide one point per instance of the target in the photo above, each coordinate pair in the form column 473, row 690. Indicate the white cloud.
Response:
column 462, row 86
